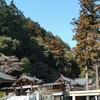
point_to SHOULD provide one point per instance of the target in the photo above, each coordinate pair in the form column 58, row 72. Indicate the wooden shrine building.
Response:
column 24, row 83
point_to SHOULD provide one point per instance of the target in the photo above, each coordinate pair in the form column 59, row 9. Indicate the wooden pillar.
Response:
column 21, row 90
column 15, row 90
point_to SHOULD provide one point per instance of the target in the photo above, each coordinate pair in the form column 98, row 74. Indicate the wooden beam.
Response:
column 85, row 93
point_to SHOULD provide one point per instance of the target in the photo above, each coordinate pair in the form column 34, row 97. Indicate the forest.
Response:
column 27, row 48
column 38, row 51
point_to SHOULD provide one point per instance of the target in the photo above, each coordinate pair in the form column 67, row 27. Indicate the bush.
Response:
column 1, row 94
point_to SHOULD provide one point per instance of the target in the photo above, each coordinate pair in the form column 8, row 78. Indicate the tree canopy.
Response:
column 33, row 45
column 87, row 29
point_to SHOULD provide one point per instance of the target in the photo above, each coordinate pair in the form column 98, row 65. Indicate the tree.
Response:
column 8, row 45
column 10, row 65
column 22, row 37
column 87, row 29
column 25, row 63
column 2, row 3
column 14, row 24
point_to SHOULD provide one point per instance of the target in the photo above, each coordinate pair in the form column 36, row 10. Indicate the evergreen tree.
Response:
column 24, row 38
column 26, row 65
column 7, row 45
column 2, row 3
column 87, row 29
column 14, row 24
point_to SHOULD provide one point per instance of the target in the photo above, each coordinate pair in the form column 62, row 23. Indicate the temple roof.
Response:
column 30, row 78
column 82, row 81
column 66, row 79
column 5, row 78
column 25, row 78
column 76, row 81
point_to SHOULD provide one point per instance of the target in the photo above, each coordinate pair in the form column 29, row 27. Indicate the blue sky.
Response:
column 53, row 15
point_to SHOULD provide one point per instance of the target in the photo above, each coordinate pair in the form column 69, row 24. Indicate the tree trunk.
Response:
column 87, row 81
column 96, row 74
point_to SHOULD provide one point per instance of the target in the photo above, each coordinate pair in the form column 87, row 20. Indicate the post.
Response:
column 73, row 97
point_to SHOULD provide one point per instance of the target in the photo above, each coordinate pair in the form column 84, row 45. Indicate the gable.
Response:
column 68, row 80
column 26, row 80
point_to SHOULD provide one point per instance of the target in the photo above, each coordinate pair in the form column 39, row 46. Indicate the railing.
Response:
column 46, row 97
column 7, row 97
column 32, row 96
column 96, row 98
column 13, row 97
column 82, row 88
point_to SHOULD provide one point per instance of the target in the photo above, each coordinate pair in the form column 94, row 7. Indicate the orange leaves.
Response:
column 84, row 22
column 31, row 25
column 34, row 31
column 94, row 55
column 87, row 47
column 87, row 29
column 56, row 46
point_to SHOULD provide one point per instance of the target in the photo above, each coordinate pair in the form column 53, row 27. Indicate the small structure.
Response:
column 78, row 90
column 54, row 91
column 72, row 82
column 25, row 83
column 76, row 84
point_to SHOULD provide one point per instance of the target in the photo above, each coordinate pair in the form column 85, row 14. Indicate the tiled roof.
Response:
column 82, row 81
column 29, row 78
column 71, row 81
column 5, row 77
column 76, row 81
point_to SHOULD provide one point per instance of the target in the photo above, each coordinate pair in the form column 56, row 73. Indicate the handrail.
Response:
column 30, row 96
column 98, row 98
column 17, row 97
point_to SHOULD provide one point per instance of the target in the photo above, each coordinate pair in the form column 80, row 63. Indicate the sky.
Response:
column 53, row 15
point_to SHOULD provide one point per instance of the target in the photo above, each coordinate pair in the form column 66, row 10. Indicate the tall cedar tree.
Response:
column 87, row 29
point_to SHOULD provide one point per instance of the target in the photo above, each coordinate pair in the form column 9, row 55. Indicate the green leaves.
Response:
column 25, row 63
column 8, row 45
column 27, row 40
column 2, row 3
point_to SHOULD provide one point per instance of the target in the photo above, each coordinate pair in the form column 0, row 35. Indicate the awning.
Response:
column 57, row 93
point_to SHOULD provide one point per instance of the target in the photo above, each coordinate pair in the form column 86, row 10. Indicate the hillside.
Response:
column 38, row 51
